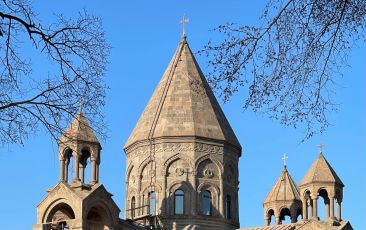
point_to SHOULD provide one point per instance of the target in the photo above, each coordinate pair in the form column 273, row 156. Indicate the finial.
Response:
column 284, row 158
column 184, row 22
column 81, row 104
column 321, row 146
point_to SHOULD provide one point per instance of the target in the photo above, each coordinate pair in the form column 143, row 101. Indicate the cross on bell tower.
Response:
column 321, row 147
column 184, row 22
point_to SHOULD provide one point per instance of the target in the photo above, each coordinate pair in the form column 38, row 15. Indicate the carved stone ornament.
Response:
column 176, row 147
column 208, row 173
column 179, row 171
column 133, row 179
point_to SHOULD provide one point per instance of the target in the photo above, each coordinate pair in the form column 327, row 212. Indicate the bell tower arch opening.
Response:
column 98, row 218
column 285, row 216
column 270, row 217
column 324, row 207
column 84, row 166
column 59, row 216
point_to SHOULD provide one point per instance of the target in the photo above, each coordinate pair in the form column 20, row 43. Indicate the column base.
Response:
column 315, row 218
column 332, row 221
column 93, row 182
column 76, row 183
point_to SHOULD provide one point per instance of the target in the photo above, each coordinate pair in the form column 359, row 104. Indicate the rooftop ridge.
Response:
column 166, row 87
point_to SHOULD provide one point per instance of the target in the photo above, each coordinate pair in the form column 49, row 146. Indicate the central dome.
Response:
column 183, row 104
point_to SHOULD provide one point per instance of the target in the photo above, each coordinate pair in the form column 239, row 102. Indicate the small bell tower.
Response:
column 283, row 200
column 76, row 203
column 321, row 181
column 80, row 145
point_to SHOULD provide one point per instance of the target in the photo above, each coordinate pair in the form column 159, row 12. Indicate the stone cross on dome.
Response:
column 284, row 158
column 81, row 104
column 184, row 22
column 321, row 147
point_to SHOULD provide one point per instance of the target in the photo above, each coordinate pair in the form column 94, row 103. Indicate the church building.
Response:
column 181, row 169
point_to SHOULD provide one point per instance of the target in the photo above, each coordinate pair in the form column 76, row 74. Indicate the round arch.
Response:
column 128, row 172
column 269, row 213
column 215, row 194
column 99, row 216
column 144, row 164
column 172, row 159
column 59, row 212
column 214, row 161
column 283, row 212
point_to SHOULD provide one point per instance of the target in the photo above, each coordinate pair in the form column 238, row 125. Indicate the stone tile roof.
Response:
column 273, row 227
column 183, row 104
column 321, row 171
column 285, row 189
column 79, row 129
column 308, row 225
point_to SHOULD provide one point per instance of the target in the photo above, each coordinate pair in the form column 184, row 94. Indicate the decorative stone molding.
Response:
column 176, row 147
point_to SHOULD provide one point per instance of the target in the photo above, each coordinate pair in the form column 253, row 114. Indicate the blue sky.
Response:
column 144, row 36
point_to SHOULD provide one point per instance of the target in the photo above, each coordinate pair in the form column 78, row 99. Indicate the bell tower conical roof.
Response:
column 285, row 189
column 183, row 104
column 321, row 171
column 80, row 130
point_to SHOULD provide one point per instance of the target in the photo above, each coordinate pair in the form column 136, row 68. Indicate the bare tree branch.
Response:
column 289, row 66
column 78, row 51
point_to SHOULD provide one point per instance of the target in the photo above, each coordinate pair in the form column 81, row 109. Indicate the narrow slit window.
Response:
column 152, row 202
column 206, row 203
column 133, row 206
column 179, row 201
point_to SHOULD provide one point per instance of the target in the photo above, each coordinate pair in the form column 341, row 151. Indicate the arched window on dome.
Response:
column 152, row 202
column 133, row 207
column 228, row 207
column 206, row 203
column 179, row 202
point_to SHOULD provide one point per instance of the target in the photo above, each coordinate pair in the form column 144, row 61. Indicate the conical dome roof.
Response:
column 285, row 189
column 79, row 129
column 321, row 171
column 183, row 105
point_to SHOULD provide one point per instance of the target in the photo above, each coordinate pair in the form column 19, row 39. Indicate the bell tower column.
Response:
column 331, row 207
column 62, row 170
column 339, row 210
column 304, row 210
column 76, row 169
column 94, row 179
column 315, row 207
